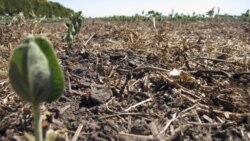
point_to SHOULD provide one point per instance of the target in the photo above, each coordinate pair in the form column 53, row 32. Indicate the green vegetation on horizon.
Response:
column 39, row 7
column 174, row 16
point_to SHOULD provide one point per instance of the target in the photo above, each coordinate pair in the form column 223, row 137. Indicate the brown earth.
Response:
column 120, row 83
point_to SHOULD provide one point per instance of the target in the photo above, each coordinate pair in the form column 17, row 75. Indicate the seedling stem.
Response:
column 37, row 121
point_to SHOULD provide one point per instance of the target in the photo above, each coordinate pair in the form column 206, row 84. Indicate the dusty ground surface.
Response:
column 131, row 81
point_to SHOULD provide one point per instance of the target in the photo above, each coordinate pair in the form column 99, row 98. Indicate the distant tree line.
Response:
column 39, row 7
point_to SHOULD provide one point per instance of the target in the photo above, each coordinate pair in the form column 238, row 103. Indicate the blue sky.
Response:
column 99, row 8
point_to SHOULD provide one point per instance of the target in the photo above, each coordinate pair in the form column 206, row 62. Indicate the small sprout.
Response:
column 74, row 27
column 35, row 75
column 246, row 16
column 18, row 20
column 210, row 13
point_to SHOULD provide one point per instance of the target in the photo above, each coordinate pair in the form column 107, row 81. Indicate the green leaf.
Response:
column 18, row 71
column 34, row 71
column 73, row 30
column 57, row 76
column 78, row 14
column 29, row 73
column 69, row 37
column 39, row 73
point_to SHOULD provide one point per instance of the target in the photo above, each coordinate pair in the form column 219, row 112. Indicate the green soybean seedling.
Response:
column 36, row 76
column 74, row 25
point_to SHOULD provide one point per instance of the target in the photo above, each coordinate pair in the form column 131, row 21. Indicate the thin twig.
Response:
column 62, row 110
column 150, row 137
column 5, row 99
column 76, row 135
column 206, row 108
column 124, row 86
column 211, row 72
column 112, row 71
column 188, row 98
column 217, row 60
column 205, row 124
column 183, row 89
column 137, row 104
column 167, row 125
column 197, row 116
column 2, row 82
column 89, row 39
column 107, row 105
column 144, row 68
column 129, row 114
column 188, row 109
column 149, row 68
column 177, row 131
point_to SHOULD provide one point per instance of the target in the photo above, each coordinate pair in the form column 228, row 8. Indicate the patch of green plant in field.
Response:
column 74, row 26
column 40, row 7
column 154, row 14
column 5, row 19
column 212, row 15
column 123, row 18
column 246, row 16
column 36, row 76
